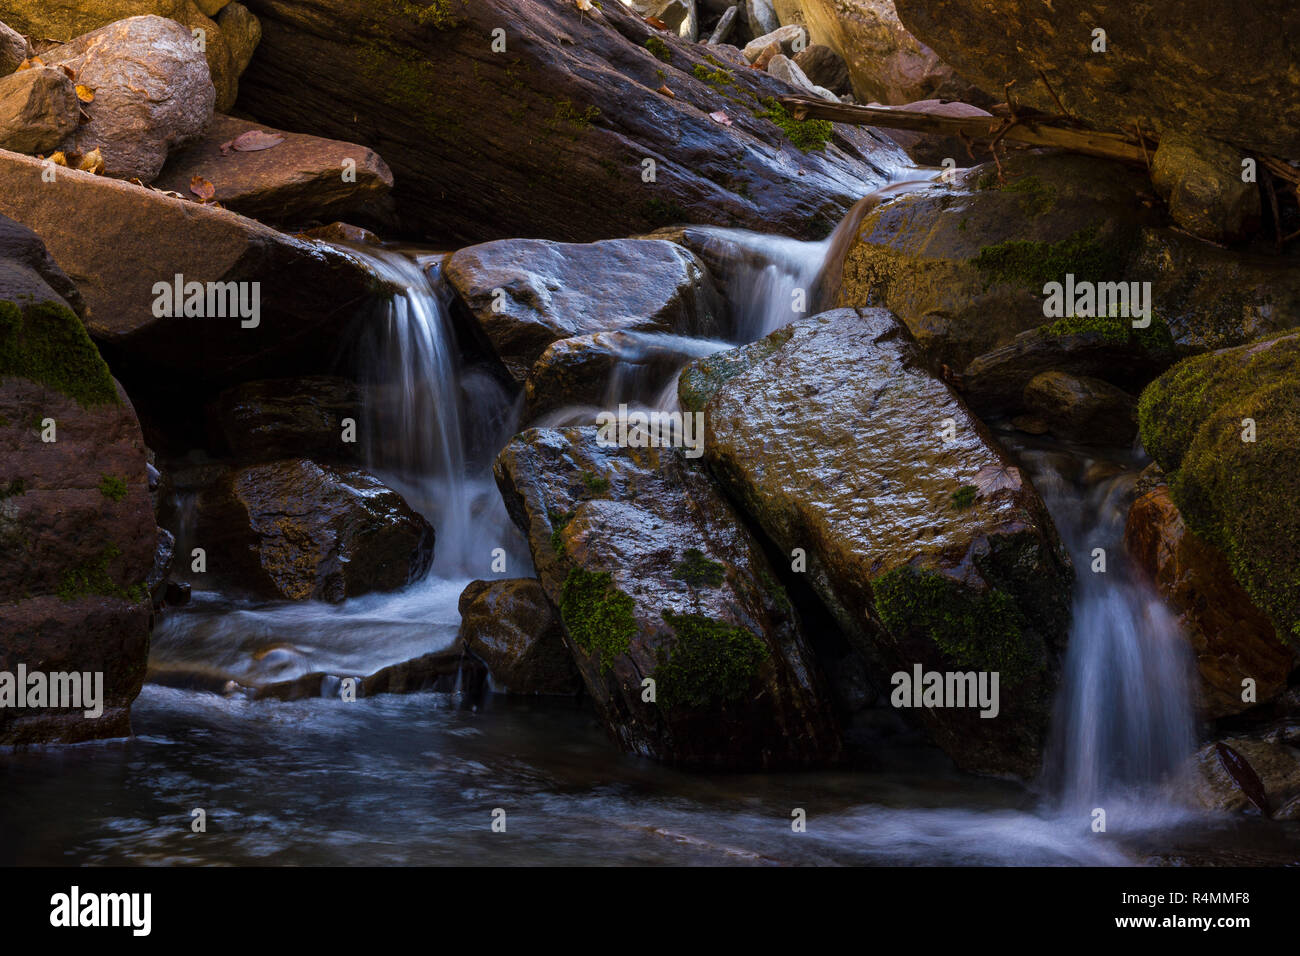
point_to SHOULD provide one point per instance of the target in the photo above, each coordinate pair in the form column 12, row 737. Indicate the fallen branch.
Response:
column 1031, row 130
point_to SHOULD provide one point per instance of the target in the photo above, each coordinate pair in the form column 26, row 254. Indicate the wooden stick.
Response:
column 1030, row 130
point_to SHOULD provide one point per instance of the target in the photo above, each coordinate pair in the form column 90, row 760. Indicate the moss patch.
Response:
column 1038, row 197
column 698, row 571
column 94, row 578
column 663, row 213
column 710, row 662
column 112, row 487
column 439, row 14
column 596, row 484
column 13, row 489
column 597, row 615
column 1033, row 264
column 46, row 343
column 1116, row 330
column 980, row 631
column 558, row 522
column 807, row 135
column 964, row 497
column 659, row 48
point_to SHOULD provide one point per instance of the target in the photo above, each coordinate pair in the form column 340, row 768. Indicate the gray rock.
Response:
column 786, row 70
column 787, row 38
column 722, row 32
column 1201, row 181
column 38, row 109
column 762, row 16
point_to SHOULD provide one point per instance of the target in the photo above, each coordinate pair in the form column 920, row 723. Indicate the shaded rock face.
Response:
column 1153, row 72
column 13, row 49
column 442, row 672
column 298, row 181
column 64, row 20
column 1225, row 428
column 656, row 578
column 964, row 266
column 152, row 92
column 1208, row 783
column 38, row 109
column 512, row 628
column 824, row 67
column 549, row 137
column 107, row 234
column 928, row 551
column 528, row 293
column 1231, row 639
column 298, row 416
column 1200, row 179
column 1078, row 408
column 928, row 149
column 300, row 530
column 76, row 523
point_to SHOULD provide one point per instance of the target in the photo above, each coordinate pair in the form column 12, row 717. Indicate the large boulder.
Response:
column 274, row 418
column 1225, row 428
column 551, row 136
column 1231, row 639
column 657, row 580
column 1201, row 180
column 1153, row 73
column 299, row 180
column 528, row 293
column 152, row 93
column 512, row 628
column 38, row 109
column 1237, row 774
column 924, row 541
column 65, row 20
column 76, row 523
column 299, row 530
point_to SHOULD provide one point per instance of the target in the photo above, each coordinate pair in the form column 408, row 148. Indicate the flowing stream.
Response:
column 413, row 779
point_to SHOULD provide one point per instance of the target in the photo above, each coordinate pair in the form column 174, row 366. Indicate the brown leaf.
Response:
column 667, row 92
column 92, row 162
column 58, row 158
column 1244, row 775
column 718, row 116
column 991, row 479
column 30, row 63
column 68, row 70
column 656, row 23
column 202, row 188
column 250, row 141
column 85, row 94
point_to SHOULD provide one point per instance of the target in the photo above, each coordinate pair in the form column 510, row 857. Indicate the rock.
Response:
column 513, row 629
column 679, row 15
column 765, row 56
column 786, row 70
column 726, row 26
column 1200, row 179
column 14, row 48
column 299, row 530
column 886, row 63
column 300, row 180
column 268, row 419
column 655, row 577
column 824, row 67
column 927, row 553
column 789, row 41
column 1225, row 428
column 442, row 672
column 1231, row 639
column 64, row 20
column 1152, row 72
column 491, row 147
column 164, row 554
column 964, row 265
column 152, row 93
column 76, row 524
column 38, row 109
column 929, row 149
column 762, row 16
column 243, row 32
column 107, row 234
column 556, row 290
column 1206, row 782
column 1083, row 409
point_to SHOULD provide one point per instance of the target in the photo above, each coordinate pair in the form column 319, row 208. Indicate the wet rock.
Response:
column 164, row 554
column 107, row 234
column 1152, row 72
column 1200, row 179
column 511, row 145
column 1079, row 408
column 1231, row 639
column 442, row 672
column 655, row 577
column 38, row 109
column 927, row 551
column 580, row 371
column 76, row 525
column 273, row 418
column 300, row 180
column 300, row 530
column 528, row 293
column 13, row 49
column 65, row 20
column 1225, row 428
column 152, row 93
column 513, row 629
column 824, row 67
column 1209, row 783
column 965, row 265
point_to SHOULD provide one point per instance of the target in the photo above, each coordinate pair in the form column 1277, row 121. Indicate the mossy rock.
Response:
column 45, row 342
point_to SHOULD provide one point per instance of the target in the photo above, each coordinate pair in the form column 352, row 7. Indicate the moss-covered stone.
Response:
column 698, row 571
column 807, row 135
column 113, row 487
column 95, row 578
column 659, row 48
column 598, row 616
column 710, row 662
column 46, row 343
column 963, row 497
column 1033, row 264
column 1116, row 330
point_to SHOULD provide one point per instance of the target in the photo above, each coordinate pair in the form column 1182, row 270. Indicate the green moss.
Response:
column 775, row 591
column 112, row 487
column 596, row 484
column 980, row 631
column 710, row 662
column 1238, row 495
column 660, row 212
column 720, row 79
column 659, row 48
column 1116, row 330
column 597, row 615
column 698, row 571
column 94, row 578
column 568, row 114
column 1033, row 264
column 964, row 497
column 14, row 488
column 558, row 523
column 1038, row 197
column 439, row 14
column 807, row 135
column 46, row 343
column 700, row 381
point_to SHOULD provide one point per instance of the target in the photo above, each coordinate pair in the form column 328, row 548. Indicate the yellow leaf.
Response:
column 92, row 162
column 58, row 159
column 85, row 94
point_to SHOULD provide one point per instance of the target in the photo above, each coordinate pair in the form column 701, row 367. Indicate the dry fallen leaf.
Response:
column 252, row 140
column 68, row 70
column 584, row 5
column 202, row 188
column 30, row 63
column 85, row 94
column 994, row 478
column 656, row 23
column 58, row 159
column 92, row 162
column 667, row 92
column 718, row 116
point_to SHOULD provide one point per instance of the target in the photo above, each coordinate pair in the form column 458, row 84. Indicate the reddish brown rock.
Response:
column 512, row 628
